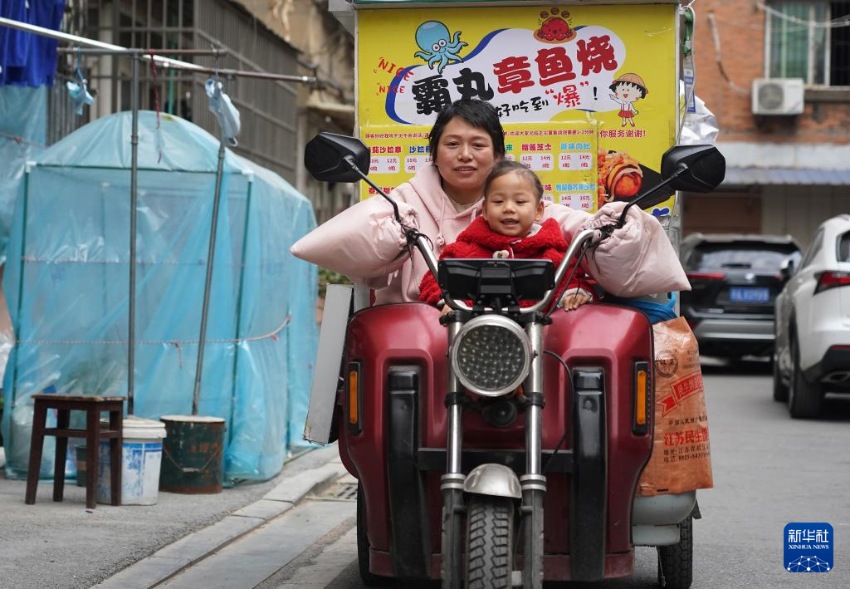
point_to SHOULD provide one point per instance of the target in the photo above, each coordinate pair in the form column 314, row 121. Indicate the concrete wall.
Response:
column 799, row 210
column 327, row 53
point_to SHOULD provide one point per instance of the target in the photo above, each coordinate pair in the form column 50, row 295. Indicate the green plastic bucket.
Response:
column 192, row 454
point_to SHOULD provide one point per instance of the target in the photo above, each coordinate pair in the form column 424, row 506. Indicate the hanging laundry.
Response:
column 224, row 111
column 79, row 95
column 27, row 59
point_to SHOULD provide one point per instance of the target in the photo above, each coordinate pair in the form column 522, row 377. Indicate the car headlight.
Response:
column 491, row 355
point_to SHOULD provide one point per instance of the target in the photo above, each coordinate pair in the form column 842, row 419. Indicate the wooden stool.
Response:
column 93, row 433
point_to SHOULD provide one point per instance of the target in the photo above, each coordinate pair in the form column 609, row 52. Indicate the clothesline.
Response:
column 20, row 140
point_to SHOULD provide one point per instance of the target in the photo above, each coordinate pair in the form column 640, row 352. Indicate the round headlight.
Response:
column 491, row 355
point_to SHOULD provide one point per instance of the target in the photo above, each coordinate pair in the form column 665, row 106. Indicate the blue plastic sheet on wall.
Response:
column 67, row 288
column 23, row 131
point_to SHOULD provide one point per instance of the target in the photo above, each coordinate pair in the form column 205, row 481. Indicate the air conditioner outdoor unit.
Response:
column 778, row 96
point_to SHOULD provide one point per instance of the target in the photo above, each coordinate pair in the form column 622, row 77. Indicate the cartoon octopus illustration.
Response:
column 437, row 45
column 555, row 26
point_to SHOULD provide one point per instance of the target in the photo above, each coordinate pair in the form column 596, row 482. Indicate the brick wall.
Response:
column 739, row 26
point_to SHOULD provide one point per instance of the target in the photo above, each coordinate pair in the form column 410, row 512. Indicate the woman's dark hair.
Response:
column 478, row 113
column 503, row 167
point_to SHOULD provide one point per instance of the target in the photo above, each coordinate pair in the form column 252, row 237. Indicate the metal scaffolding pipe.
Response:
column 202, row 338
column 153, row 54
column 134, row 191
column 45, row 32
column 157, row 52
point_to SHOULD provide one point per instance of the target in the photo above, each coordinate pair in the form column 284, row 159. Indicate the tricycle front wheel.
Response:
column 489, row 542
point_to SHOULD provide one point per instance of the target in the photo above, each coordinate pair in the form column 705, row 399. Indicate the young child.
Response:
column 509, row 228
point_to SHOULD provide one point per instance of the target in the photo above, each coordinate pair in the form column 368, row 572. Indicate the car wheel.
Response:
column 804, row 398
column 780, row 389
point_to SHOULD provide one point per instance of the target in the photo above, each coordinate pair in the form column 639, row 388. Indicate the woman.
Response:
column 366, row 244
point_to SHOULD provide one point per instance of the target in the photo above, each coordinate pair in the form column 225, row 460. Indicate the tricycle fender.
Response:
column 656, row 519
column 493, row 479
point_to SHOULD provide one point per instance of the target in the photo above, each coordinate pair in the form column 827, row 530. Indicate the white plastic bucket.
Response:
column 140, row 464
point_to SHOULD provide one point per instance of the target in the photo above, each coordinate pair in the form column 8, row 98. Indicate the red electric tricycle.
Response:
column 501, row 445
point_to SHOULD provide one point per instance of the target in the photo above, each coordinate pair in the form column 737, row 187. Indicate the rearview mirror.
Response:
column 788, row 266
column 339, row 158
column 330, row 157
column 700, row 168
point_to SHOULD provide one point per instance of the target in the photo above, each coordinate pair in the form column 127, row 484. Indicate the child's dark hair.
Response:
column 616, row 83
column 503, row 167
column 479, row 114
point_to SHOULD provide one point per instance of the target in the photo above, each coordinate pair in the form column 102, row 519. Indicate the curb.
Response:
column 178, row 556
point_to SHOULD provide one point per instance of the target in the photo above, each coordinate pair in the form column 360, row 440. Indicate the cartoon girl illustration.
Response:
column 627, row 89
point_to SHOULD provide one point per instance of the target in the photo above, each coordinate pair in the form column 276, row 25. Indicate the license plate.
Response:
column 749, row 294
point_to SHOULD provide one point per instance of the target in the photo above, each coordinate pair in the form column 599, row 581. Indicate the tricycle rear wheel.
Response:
column 676, row 562
column 489, row 542
column 368, row 578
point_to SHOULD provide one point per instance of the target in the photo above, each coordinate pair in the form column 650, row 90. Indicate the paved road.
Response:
column 769, row 470
column 65, row 546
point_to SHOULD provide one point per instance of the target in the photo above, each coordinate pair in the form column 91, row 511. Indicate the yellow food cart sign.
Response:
column 588, row 95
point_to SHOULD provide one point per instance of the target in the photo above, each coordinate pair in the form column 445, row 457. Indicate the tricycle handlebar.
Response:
column 424, row 247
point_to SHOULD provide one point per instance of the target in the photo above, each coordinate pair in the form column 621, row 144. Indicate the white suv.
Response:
column 812, row 352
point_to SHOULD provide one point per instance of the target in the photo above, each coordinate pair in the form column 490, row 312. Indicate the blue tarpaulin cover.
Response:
column 23, row 130
column 67, row 287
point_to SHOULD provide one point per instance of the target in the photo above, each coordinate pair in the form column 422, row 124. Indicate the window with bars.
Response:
column 268, row 109
column 809, row 40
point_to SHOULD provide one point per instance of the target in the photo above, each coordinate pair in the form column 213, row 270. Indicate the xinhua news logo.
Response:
column 808, row 547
